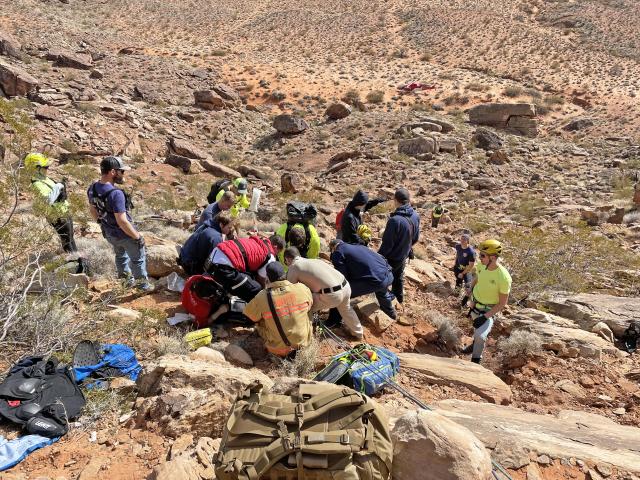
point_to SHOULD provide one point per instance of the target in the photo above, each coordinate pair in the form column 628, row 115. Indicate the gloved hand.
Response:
column 62, row 196
column 479, row 321
column 140, row 242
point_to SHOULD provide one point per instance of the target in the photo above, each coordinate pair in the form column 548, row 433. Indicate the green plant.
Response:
column 376, row 96
column 477, row 87
column 541, row 262
column 512, row 91
column 520, row 344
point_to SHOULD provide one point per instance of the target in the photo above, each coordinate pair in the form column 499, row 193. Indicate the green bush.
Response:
column 513, row 91
column 541, row 261
column 376, row 96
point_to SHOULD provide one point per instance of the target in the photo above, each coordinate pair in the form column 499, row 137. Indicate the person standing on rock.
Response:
column 352, row 217
column 201, row 243
column 329, row 287
column 111, row 208
column 400, row 235
column 227, row 199
column 465, row 263
column 367, row 272
column 490, row 293
column 282, row 313
column 53, row 197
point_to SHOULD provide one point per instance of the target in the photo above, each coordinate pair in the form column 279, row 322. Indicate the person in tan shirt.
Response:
column 329, row 287
column 282, row 313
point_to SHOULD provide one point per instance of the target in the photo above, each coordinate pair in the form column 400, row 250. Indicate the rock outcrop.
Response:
column 161, row 256
column 9, row 46
column 418, row 146
column 15, row 82
column 558, row 334
column 517, row 117
column 587, row 309
column 289, row 124
column 453, row 371
column 570, row 434
column 179, row 395
column 428, row 446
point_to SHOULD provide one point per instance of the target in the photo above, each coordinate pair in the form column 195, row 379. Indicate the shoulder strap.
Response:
column 243, row 252
column 410, row 225
column 276, row 318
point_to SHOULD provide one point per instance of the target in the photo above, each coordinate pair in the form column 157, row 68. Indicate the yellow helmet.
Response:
column 364, row 232
column 34, row 160
column 490, row 247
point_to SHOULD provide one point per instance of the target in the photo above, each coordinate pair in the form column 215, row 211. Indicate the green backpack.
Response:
column 325, row 432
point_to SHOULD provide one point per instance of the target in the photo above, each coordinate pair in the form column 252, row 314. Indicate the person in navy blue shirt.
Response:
column 465, row 261
column 225, row 203
column 201, row 243
column 400, row 235
column 111, row 208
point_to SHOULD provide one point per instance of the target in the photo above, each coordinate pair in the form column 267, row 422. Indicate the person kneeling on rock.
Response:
column 282, row 313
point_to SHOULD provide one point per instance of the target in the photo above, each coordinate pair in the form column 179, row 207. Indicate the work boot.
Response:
column 127, row 280
column 476, row 360
column 145, row 286
column 467, row 350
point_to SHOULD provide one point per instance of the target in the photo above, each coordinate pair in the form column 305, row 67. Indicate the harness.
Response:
column 276, row 318
column 307, row 234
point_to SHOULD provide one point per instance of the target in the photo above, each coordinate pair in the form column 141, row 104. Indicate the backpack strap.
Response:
column 276, row 319
column 243, row 252
column 411, row 227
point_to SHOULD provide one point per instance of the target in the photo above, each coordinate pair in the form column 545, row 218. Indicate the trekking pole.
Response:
column 405, row 393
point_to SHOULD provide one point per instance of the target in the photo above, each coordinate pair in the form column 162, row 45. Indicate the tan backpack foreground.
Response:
column 325, row 432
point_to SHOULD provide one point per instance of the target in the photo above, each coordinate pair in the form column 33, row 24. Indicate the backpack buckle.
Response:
column 299, row 411
column 344, row 439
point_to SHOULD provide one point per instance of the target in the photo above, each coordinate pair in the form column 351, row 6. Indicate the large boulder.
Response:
column 161, row 256
column 218, row 169
column 519, row 117
column 9, row 46
column 428, row 446
column 569, row 434
column 587, row 309
column 447, row 127
column 178, row 395
column 15, row 82
column 226, row 92
column 558, row 334
column 289, row 124
column 184, row 148
column 66, row 59
column 210, row 100
column 418, row 146
column 453, row 371
column 486, row 139
column 338, row 110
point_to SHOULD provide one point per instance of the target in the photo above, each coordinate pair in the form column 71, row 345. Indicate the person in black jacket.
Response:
column 351, row 218
column 400, row 234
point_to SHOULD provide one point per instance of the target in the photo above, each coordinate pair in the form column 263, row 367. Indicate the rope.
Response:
column 343, row 344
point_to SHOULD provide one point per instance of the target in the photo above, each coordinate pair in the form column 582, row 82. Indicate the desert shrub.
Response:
column 351, row 97
column 520, row 344
column 223, row 155
column 304, row 365
column 622, row 186
column 541, row 262
column 376, row 96
column 100, row 255
column 477, row 87
column 102, row 403
column 448, row 331
column 528, row 208
column 170, row 343
column 551, row 100
column 512, row 91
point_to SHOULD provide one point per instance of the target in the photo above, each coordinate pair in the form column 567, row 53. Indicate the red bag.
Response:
column 196, row 305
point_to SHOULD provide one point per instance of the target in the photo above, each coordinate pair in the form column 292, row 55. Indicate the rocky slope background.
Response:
column 189, row 91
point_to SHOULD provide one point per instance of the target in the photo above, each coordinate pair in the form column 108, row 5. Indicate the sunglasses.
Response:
column 120, row 171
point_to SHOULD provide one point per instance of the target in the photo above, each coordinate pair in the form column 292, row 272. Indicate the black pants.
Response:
column 397, row 287
column 64, row 229
column 236, row 283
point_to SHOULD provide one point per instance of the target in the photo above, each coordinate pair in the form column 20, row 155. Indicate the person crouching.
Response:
column 282, row 313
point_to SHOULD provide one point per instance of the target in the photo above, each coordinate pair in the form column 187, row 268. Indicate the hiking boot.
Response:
column 476, row 360
column 467, row 350
column 146, row 286
column 128, row 281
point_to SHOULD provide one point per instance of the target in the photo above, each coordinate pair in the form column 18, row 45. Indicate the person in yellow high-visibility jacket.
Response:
column 302, row 236
column 240, row 187
column 53, row 196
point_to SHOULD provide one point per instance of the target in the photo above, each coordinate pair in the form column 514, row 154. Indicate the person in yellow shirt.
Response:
column 239, row 186
column 302, row 236
column 52, row 196
column 489, row 291
column 281, row 313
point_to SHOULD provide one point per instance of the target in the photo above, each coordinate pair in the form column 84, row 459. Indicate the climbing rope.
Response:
column 343, row 344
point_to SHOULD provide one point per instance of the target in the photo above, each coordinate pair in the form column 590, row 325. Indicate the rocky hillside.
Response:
column 526, row 130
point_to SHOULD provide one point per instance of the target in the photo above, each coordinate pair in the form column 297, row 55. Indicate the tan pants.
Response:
column 340, row 301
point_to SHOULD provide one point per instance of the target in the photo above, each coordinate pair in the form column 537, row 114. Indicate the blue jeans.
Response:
column 130, row 259
column 381, row 291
